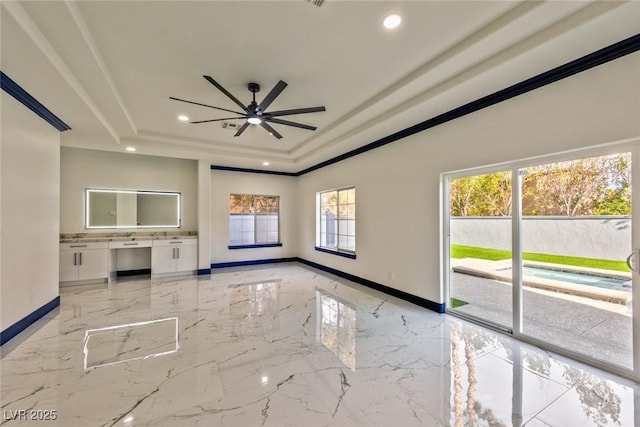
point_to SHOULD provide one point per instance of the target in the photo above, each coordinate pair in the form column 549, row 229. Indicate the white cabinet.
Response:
column 84, row 261
column 174, row 255
column 124, row 244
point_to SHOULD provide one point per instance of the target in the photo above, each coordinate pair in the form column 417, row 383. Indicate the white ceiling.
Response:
column 108, row 68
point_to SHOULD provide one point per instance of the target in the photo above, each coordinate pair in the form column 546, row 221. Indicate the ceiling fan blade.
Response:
column 271, row 130
column 218, row 120
column 297, row 111
column 242, row 129
column 277, row 89
column 204, row 105
column 226, row 92
column 288, row 123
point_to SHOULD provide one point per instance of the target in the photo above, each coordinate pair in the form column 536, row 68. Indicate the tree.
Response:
column 496, row 193
column 592, row 186
column 481, row 195
column 616, row 200
column 461, row 194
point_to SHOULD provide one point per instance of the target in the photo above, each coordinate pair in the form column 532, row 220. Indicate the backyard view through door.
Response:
column 480, row 230
column 573, row 221
column 576, row 235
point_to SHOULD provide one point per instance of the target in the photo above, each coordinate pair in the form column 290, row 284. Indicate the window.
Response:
column 337, row 221
column 253, row 220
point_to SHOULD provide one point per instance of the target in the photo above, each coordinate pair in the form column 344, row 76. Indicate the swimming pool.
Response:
column 606, row 282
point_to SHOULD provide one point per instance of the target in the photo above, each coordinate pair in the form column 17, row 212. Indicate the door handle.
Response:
column 632, row 262
column 80, row 253
column 178, row 253
column 75, row 258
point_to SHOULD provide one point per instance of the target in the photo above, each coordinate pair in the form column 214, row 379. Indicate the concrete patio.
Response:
column 599, row 329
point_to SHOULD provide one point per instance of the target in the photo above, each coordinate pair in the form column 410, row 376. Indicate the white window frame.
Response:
column 337, row 249
column 255, row 223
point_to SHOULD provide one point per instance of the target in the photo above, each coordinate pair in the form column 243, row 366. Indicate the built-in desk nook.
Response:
column 97, row 257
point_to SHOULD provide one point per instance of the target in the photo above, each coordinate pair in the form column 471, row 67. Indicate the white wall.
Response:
column 82, row 169
column 400, row 183
column 30, row 194
column 224, row 183
column 603, row 237
column 204, row 215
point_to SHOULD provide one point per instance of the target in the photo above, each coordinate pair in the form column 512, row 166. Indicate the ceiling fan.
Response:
column 255, row 113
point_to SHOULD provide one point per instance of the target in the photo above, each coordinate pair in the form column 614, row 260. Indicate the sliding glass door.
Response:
column 480, row 247
column 576, row 236
column 539, row 250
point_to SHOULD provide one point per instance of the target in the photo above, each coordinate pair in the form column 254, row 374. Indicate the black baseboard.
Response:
column 28, row 320
column 422, row 302
column 204, row 271
column 252, row 262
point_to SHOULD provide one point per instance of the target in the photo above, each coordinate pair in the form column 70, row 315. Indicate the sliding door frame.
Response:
column 632, row 146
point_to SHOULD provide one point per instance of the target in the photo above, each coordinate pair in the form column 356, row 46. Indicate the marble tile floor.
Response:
column 286, row 345
column 601, row 330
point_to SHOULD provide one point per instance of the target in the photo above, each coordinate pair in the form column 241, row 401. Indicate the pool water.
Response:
column 605, row 282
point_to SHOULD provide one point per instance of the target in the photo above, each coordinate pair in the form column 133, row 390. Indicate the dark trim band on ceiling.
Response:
column 232, row 169
column 599, row 57
column 22, row 96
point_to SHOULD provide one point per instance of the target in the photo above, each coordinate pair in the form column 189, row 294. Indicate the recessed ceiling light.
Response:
column 254, row 120
column 131, row 149
column 392, row 21
column 183, row 118
column 265, row 163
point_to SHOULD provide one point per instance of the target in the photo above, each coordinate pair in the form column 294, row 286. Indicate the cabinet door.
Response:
column 94, row 264
column 188, row 258
column 68, row 266
column 163, row 259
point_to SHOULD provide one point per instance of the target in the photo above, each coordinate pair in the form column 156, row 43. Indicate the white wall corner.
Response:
column 204, row 214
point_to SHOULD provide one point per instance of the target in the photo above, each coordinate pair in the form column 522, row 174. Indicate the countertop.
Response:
column 98, row 237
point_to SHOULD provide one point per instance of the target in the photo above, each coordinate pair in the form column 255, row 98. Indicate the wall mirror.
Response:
column 132, row 209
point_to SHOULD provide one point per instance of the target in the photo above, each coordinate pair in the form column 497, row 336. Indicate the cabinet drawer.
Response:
column 176, row 242
column 130, row 244
column 79, row 246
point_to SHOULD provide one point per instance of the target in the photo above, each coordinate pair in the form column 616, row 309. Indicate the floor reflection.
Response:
column 498, row 382
column 132, row 341
column 254, row 308
column 336, row 327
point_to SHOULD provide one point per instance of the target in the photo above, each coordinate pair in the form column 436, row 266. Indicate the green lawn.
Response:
column 455, row 303
column 460, row 251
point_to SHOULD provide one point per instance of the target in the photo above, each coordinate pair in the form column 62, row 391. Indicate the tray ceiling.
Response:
column 108, row 68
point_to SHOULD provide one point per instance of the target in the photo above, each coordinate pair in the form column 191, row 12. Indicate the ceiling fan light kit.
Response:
column 255, row 113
